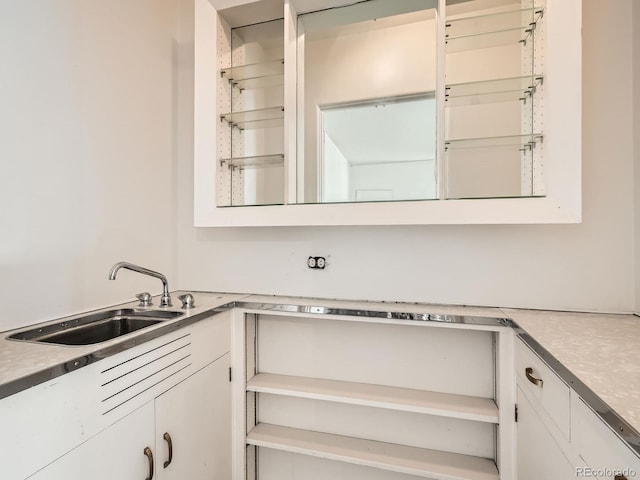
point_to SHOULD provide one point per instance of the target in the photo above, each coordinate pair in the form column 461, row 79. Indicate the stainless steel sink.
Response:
column 96, row 327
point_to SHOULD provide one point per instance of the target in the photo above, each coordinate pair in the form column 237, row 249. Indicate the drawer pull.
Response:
column 529, row 373
column 149, row 454
column 167, row 439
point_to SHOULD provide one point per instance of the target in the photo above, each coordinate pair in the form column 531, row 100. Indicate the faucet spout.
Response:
column 165, row 300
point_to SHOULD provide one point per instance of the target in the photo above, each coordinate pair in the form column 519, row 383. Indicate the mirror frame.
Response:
column 562, row 142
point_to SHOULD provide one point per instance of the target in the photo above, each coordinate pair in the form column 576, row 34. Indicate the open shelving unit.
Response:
column 251, row 112
column 494, row 118
column 311, row 393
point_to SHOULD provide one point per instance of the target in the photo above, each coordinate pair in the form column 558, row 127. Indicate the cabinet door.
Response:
column 115, row 453
column 538, row 454
column 195, row 417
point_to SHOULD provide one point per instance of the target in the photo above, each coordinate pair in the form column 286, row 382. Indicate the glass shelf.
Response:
column 527, row 141
column 489, row 40
column 486, row 31
column 492, row 91
column 493, row 22
column 259, row 82
column 251, row 119
column 253, row 70
column 258, row 161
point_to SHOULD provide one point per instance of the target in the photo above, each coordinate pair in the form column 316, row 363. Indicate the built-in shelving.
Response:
column 432, row 464
column 259, row 161
column 403, row 399
column 492, row 91
column 260, row 118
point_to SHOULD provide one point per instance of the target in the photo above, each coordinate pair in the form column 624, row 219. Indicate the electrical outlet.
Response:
column 317, row 263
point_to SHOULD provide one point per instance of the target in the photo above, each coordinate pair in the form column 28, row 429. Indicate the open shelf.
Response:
column 526, row 141
column 261, row 118
column 404, row 399
column 258, row 161
column 421, row 462
column 492, row 91
column 253, row 70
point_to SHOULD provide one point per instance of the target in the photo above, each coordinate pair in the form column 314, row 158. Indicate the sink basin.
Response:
column 96, row 327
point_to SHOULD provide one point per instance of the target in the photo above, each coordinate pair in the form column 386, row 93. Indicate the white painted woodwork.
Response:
column 414, row 356
column 403, row 399
column 431, row 432
column 197, row 415
column 117, row 452
column 505, row 400
column 539, row 456
column 562, row 107
column 410, row 460
column 553, row 394
column 598, row 445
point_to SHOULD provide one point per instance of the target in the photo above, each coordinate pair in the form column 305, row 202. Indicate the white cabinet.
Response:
column 604, row 455
column 184, row 433
column 117, row 452
column 240, row 175
column 99, row 419
column 558, row 435
column 539, row 455
column 193, row 426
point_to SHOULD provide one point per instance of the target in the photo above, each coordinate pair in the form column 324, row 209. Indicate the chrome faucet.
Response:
column 165, row 300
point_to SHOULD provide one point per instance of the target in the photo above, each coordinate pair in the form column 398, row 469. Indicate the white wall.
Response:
column 87, row 100
column 587, row 266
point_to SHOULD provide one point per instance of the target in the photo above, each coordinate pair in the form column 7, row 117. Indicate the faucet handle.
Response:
column 145, row 299
column 187, row 300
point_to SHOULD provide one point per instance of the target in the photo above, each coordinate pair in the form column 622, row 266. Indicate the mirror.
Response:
column 378, row 150
column 366, row 79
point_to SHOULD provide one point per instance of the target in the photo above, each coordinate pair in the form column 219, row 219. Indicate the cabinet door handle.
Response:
column 149, row 454
column 167, row 439
column 536, row 381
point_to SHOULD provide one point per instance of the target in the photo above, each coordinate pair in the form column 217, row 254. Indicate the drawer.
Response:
column 543, row 386
column 602, row 450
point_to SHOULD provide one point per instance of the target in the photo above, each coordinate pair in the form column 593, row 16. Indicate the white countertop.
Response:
column 601, row 350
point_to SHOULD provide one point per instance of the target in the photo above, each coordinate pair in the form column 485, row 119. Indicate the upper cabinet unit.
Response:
column 380, row 112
